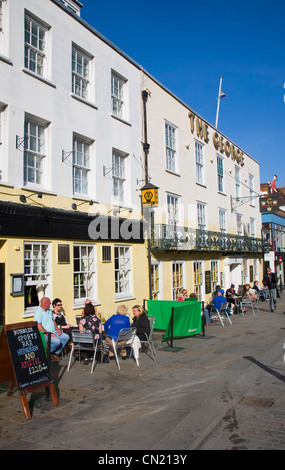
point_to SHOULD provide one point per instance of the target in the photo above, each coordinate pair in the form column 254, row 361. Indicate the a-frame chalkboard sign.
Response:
column 23, row 362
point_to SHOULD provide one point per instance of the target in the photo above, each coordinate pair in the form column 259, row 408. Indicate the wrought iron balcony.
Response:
column 166, row 237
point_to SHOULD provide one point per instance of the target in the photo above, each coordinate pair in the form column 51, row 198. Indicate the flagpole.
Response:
column 219, row 98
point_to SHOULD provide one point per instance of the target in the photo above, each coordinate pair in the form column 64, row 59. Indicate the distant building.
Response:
column 272, row 208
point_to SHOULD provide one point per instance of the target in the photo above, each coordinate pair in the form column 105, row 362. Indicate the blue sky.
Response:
column 188, row 45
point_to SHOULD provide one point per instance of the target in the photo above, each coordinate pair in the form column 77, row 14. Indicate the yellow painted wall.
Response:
column 12, row 254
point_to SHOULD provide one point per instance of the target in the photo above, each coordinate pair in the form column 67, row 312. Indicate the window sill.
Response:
column 6, row 59
column 124, row 298
column 121, row 120
column 81, row 305
column 39, row 77
column 201, row 184
column 172, row 172
column 38, row 189
column 83, row 100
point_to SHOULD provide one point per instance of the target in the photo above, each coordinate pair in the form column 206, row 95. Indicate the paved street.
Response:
column 221, row 391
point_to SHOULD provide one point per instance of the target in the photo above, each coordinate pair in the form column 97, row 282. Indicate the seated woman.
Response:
column 140, row 321
column 59, row 317
column 248, row 293
column 114, row 324
column 183, row 294
column 259, row 292
column 90, row 322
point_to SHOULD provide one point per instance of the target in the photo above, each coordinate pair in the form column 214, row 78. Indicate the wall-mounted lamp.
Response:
column 187, row 146
column 74, row 206
column 24, row 198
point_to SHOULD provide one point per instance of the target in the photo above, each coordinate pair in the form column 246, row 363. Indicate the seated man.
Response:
column 219, row 300
column 230, row 293
column 46, row 324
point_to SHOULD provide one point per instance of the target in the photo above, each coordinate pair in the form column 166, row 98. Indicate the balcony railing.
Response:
column 166, row 237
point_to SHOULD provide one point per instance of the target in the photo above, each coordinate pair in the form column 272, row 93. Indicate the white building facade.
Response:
column 70, row 124
column 207, row 227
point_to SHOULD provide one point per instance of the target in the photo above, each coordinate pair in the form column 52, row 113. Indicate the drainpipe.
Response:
column 147, row 211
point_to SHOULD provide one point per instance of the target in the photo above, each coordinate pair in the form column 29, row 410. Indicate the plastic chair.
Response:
column 125, row 338
column 83, row 341
column 223, row 311
column 148, row 341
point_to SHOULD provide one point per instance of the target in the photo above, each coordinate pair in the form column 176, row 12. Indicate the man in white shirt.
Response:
column 46, row 324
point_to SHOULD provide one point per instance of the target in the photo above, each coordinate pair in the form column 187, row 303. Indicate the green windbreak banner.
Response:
column 187, row 318
column 161, row 310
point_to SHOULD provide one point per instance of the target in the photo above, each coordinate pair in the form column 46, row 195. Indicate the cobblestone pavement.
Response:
column 218, row 392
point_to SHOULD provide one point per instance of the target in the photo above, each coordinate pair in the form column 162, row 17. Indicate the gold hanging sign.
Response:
column 149, row 195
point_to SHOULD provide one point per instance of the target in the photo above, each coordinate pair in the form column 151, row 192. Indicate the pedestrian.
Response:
column 270, row 283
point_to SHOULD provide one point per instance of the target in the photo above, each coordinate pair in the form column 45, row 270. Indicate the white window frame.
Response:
column 123, row 272
column 199, row 162
column 34, row 151
column 220, row 174
column 251, row 190
column 198, row 279
column 222, row 220
column 86, row 273
column 118, row 95
column 237, row 182
column 119, row 176
column 177, row 277
column 245, row 271
column 3, row 9
column 36, row 46
column 37, row 268
column 173, row 215
column 156, row 280
column 201, row 215
column 81, row 165
column 240, row 228
column 171, row 147
column 81, row 73
column 252, row 227
column 215, row 274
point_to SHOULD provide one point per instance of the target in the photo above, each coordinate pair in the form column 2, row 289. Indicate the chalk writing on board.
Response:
column 28, row 356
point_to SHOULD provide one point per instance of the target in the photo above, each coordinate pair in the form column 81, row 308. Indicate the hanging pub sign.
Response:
column 269, row 204
column 149, row 195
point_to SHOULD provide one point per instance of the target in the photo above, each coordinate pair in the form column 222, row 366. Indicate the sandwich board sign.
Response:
column 24, row 362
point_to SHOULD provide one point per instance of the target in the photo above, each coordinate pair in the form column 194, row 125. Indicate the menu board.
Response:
column 23, row 361
column 28, row 355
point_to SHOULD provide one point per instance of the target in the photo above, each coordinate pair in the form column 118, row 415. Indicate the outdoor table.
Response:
column 237, row 300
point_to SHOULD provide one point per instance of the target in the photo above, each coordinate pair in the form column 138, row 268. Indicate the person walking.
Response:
column 270, row 283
